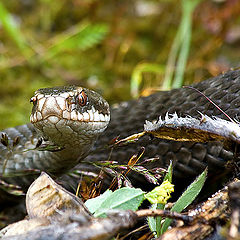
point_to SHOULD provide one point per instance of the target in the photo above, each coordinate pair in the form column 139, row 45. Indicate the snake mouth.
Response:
column 92, row 116
column 72, row 127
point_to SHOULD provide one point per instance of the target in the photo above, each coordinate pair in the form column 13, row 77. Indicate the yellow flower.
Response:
column 161, row 193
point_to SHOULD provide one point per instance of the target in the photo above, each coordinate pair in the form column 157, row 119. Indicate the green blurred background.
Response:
column 120, row 48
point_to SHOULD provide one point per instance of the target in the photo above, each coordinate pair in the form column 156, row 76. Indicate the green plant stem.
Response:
column 136, row 77
column 188, row 7
column 167, row 82
column 181, row 46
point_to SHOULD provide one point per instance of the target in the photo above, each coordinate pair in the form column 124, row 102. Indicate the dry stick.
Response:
column 164, row 213
column 78, row 187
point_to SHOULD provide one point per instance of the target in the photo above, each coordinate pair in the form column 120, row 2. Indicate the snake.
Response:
column 71, row 124
column 65, row 122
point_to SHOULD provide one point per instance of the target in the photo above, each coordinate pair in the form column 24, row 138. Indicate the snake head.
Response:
column 65, row 112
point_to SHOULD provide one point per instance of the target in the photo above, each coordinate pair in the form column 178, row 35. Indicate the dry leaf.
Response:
column 45, row 198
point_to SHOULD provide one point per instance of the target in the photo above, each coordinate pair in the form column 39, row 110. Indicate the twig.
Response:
column 164, row 213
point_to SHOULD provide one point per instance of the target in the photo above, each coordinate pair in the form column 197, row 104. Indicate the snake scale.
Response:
column 189, row 159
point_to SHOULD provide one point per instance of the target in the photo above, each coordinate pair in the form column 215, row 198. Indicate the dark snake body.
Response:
column 127, row 118
column 189, row 159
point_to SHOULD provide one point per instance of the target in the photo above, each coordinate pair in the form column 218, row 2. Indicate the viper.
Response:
column 72, row 124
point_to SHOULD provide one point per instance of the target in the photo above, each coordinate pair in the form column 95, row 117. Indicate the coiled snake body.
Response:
column 88, row 116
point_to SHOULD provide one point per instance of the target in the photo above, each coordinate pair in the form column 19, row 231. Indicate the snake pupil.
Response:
column 82, row 99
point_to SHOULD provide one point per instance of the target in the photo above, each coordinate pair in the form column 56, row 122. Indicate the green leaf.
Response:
column 82, row 36
column 187, row 197
column 123, row 198
column 154, row 223
column 93, row 204
column 169, row 173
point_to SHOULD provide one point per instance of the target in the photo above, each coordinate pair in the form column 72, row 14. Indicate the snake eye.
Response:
column 82, row 98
